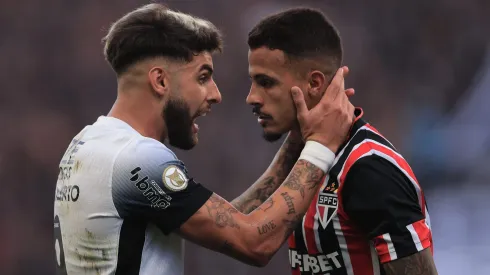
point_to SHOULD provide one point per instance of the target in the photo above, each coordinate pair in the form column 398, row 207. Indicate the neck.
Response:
column 133, row 109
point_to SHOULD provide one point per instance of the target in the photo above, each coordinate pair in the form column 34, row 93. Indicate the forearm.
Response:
column 255, row 238
column 272, row 178
column 287, row 207
column 420, row 263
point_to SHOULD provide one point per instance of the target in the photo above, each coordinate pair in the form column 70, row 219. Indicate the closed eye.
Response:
column 265, row 81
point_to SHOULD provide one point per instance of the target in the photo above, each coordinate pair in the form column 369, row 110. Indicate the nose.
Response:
column 253, row 97
column 214, row 95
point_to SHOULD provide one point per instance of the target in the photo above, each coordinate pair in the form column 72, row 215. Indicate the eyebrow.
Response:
column 264, row 76
column 206, row 67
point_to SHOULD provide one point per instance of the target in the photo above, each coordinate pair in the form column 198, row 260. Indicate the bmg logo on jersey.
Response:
column 150, row 189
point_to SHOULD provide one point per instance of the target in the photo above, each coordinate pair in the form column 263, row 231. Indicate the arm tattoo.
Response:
column 417, row 264
column 289, row 201
column 222, row 215
column 267, row 205
column 266, row 228
column 313, row 177
column 292, row 150
column 293, row 182
column 254, row 197
column 264, row 188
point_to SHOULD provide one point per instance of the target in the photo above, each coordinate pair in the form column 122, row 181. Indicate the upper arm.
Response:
column 151, row 185
column 384, row 204
column 420, row 263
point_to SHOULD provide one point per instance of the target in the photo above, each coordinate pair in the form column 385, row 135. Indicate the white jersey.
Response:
column 119, row 196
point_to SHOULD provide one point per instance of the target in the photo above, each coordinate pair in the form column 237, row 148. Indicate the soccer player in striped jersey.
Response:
column 124, row 200
column 370, row 216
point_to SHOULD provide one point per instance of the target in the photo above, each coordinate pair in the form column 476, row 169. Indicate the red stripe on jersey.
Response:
column 400, row 162
column 381, row 247
column 308, row 227
column 292, row 245
column 423, row 232
column 357, row 246
column 357, row 249
column 365, row 148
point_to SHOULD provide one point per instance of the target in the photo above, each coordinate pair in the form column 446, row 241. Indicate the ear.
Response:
column 159, row 80
column 316, row 87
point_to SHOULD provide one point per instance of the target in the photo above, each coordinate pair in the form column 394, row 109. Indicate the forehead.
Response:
column 196, row 63
column 266, row 61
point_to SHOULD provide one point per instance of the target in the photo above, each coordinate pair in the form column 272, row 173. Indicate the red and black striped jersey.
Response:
column 369, row 211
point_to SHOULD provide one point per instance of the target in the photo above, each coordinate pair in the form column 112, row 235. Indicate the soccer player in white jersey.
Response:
column 124, row 201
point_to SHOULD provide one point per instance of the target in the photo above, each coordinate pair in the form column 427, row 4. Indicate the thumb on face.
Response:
column 299, row 102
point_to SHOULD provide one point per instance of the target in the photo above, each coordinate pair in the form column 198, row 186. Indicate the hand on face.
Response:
column 330, row 120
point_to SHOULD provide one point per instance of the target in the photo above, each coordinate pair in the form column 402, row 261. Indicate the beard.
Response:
column 271, row 137
column 179, row 124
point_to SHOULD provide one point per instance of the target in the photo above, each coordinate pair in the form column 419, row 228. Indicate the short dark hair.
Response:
column 154, row 30
column 300, row 33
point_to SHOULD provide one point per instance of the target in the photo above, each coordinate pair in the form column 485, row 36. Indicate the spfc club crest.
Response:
column 327, row 203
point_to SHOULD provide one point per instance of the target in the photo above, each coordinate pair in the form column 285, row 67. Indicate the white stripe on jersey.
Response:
column 317, row 236
column 415, row 237
column 386, row 157
column 374, row 259
column 391, row 247
column 342, row 245
column 347, row 145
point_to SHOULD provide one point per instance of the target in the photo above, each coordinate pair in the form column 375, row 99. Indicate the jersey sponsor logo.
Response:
column 67, row 193
column 150, row 189
column 316, row 264
column 327, row 204
column 174, row 179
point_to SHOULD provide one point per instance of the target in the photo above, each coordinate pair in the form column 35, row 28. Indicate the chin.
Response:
column 272, row 136
column 184, row 143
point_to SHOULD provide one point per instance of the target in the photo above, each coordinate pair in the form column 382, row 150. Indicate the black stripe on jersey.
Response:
column 356, row 139
column 330, row 244
column 300, row 244
column 403, row 242
column 131, row 242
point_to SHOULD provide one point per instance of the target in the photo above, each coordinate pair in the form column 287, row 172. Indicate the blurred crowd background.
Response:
column 421, row 70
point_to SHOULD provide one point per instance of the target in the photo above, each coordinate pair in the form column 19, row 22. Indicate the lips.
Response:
column 202, row 113
column 262, row 116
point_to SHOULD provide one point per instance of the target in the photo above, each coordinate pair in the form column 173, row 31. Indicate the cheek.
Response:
column 194, row 95
column 286, row 112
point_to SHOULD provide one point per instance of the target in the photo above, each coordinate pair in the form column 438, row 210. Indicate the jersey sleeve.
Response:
column 152, row 185
column 384, row 204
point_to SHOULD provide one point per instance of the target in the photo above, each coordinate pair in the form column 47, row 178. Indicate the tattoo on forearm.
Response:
column 417, row 264
column 291, row 224
column 267, row 204
column 313, row 177
column 263, row 189
column 293, row 182
column 291, row 151
column 222, row 214
column 289, row 201
column 266, row 228
column 249, row 201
